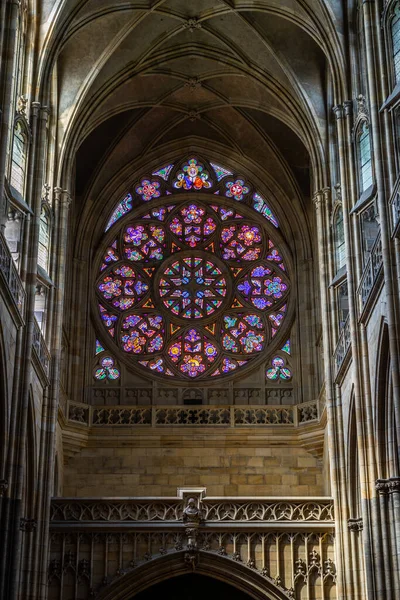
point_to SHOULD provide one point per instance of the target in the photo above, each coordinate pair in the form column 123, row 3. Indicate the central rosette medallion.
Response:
column 193, row 287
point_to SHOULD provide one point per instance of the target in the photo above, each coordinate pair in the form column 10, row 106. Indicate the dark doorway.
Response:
column 192, row 587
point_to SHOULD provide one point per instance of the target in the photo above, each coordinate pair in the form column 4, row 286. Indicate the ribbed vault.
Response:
column 135, row 77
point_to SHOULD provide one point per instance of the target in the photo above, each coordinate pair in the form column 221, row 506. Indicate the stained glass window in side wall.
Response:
column 395, row 27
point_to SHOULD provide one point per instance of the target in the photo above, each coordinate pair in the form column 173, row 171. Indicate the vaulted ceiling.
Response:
column 249, row 79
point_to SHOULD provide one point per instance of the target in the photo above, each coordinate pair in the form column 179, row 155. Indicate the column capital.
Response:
column 321, row 196
column 66, row 198
column 338, row 111
column 348, row 108
column 393, row 485
column 355, row 525
column 381, row 486
column 35, row 108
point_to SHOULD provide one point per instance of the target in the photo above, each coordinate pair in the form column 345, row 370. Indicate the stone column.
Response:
column 9, row 12
column 50, row 408
column 389, row 273
column 334, row 418
column 362, row 403
column 10, row 565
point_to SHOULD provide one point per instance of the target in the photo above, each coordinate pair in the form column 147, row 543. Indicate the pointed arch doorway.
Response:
column 192, row 586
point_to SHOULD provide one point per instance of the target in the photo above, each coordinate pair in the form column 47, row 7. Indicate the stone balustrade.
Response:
column 343, row 346
column 372, row 272
column 40, row 348
column 187, row 416
column 10, row 277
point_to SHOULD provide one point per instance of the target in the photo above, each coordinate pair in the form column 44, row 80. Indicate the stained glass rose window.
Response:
column 196, row 287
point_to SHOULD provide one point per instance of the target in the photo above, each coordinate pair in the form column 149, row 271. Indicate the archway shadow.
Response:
column 192, row 587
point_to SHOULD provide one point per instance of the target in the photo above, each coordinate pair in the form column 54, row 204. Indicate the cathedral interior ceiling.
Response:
column 248, row 79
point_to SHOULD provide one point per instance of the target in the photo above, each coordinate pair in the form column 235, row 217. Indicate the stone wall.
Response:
column 267, row 470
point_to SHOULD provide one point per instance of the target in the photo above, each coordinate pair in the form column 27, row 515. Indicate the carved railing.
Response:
column 40, row 348
column 10, row 277
column 288, row 541
column 202, row 416
column 372, row 271
column 343, row 345
column 394, row 202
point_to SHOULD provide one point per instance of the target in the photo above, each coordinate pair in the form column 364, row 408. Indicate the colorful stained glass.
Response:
column 123, row 287
column 110, row 256
column 99, row 348
column 192, row 225
column 276, row 319
column 144, row 242
column 164, row 172
column 278, row 370
column 236, row 189
column 192, row 353
column 123, row 207
column 148, row 190
column 220, row 172
column 142, row 334
column 239, row 333
column 241, row 242
column 261, row 287
column 192, row 288
column 192, row 177
column 159, row 213
column 262, row 207
column 107, row 370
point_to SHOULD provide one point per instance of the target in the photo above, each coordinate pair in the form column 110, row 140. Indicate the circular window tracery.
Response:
column 193, row 289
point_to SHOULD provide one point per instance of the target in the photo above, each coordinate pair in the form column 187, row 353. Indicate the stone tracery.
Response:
column 178, row 281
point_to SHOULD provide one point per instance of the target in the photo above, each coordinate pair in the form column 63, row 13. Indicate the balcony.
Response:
column 11, row 279
column 343, row 346
column 40, row 349
column 372, row 274
column 190, row 416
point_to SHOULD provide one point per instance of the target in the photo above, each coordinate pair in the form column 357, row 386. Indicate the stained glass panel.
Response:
column 194, row 289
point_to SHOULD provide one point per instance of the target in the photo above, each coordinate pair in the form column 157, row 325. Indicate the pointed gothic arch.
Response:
column 210, row 564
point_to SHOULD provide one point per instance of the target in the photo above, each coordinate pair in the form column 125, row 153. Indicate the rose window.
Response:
column 195, row 288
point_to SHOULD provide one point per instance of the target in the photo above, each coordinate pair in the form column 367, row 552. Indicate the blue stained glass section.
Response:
column 123, row 207
column 262, row 207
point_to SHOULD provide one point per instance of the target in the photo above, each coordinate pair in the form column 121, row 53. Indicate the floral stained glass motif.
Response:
column 192, row 177
column 142, row 334
column 261, row 287
column 123, row 286
column 278, row 370
column 164, row 172
column 123, row 207
column 144, row 242
column 193, row 353
column 243, row 333
column 148, row 190
column 192, row 225
column 107, row 370
column 192, row 287
column 241, row 242
column 220, row 172
column 287, row 347
column 262, row 207
column 236, row 189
